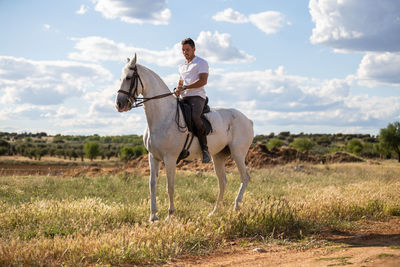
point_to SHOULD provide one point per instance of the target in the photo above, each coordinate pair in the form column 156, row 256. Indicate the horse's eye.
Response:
column 128, row 78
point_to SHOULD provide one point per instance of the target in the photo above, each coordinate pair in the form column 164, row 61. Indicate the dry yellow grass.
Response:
column 84, row 221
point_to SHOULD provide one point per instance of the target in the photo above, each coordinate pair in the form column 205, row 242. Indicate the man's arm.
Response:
column 203, row 77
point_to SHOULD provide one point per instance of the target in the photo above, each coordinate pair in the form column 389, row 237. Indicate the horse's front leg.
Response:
column 170, row 167
column 154, row 167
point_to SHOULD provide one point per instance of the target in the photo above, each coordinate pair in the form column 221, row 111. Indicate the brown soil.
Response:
column 375, row 244
column 258, row 157
column 19, row 169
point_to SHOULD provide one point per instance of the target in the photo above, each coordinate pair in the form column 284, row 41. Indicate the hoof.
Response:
column 170, row 215
column 212, row 213
column 153, row 218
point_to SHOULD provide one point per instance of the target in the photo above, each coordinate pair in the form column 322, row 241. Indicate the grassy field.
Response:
column 49, row 221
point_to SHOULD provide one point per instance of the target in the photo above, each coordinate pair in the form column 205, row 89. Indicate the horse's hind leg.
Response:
column 239, row 159
column 219, row 167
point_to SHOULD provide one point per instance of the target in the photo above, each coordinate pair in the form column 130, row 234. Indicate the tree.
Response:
column 129, row 152
column 74, row 154
column 389, row 137
column 323, row 140
column 283, row 135
column 382, row 151
column 4, row 147
column 39, row 153
column 355, row 146
column 302, row 144
column 92, row 150
column 58, row 139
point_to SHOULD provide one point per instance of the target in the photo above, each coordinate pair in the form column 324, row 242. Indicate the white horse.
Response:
column 232, row 132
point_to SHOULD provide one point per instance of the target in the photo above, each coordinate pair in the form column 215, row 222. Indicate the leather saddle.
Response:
column 187, row 115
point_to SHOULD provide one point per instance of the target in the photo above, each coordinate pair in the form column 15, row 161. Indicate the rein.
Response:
column 133, row 91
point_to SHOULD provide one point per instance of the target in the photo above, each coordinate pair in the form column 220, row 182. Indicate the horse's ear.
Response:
column 127, row 60
column 133, row 61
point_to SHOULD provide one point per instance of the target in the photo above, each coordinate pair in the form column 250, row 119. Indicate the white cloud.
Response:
column 46, row 82
column 23, row 112
column 95, row 113
column 274, row 98
column 278, row 91
column 216, row 47
column 80, row 121
column 61, row 113
column 366, row 26
column 46, row 27
column 95, row 49
column 357, row 25
column 230, row 15
column 102, row 103
column 135, row 11
column 269, row 22
column 379, row 68
column 82, row 10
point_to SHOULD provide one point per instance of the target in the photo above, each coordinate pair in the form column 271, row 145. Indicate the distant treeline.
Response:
column 37, row 145
column 364, row 145
column 126, row 147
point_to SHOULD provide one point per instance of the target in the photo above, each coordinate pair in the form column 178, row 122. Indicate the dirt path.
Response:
column 377, row 244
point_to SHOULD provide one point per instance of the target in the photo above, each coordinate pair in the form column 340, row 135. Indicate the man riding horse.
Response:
column 193, row 77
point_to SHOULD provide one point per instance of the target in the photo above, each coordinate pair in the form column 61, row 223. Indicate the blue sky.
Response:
column 317, row 66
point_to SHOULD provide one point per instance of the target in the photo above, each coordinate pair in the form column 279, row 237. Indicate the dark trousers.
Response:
column 197, row 104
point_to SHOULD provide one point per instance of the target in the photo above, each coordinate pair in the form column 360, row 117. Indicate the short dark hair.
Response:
column 188, row 41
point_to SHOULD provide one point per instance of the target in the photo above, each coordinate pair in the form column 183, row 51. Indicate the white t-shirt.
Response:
column 189, row 73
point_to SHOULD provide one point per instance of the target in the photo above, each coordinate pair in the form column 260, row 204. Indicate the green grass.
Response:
column 340, row 261
column 385, row 255
column 103, row 220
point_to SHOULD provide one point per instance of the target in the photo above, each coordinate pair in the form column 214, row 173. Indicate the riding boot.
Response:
column 204, row 148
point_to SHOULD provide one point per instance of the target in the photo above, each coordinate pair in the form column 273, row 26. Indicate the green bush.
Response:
column 302, row 144
column 354, row 146
column 275, row 142
column 129, row 152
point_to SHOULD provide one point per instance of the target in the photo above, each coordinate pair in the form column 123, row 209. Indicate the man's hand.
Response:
column 179, row 90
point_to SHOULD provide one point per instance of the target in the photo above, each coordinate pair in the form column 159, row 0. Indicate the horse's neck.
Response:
column 159, row 112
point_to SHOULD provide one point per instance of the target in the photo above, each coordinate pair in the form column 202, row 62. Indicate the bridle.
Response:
column 132, row 94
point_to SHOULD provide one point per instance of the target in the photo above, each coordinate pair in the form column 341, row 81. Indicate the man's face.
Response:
column 188, row 51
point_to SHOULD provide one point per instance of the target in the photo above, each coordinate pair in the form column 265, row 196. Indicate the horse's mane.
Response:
column 152, row 73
